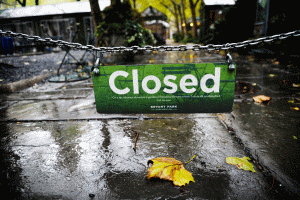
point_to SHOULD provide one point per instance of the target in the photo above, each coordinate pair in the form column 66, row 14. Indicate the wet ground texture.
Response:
column 54, row 145
column 25, row 66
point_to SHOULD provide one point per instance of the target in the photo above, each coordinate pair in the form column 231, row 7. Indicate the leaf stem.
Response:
column 190, row 159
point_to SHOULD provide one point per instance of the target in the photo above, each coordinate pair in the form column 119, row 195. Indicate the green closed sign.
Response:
column 165, row 88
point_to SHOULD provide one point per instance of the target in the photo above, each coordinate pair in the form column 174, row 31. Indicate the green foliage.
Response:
column 105, row 29
column 119, row 13
column 121, row 19
column 189, row 38
column 136, row 35
column 178, row 37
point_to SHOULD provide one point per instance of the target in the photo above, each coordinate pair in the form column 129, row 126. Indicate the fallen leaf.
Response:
column 169, row 169
column 272, row 75
column 295, row 137
column 241, row 163
column 294, row 108
column 261, row 99
column 296, row 85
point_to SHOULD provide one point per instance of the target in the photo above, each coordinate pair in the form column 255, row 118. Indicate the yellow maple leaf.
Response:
column 241, row 163
column 169, row 169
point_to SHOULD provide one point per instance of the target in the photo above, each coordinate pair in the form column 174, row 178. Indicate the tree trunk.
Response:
column 202, row 22
column 193, row 10
column 96, row 14
column 134, row 4
column 181, row 20
column 173, row 11
column 176, row 17
column 184, row 17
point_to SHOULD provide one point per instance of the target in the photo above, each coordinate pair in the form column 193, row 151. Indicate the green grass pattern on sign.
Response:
column 108, row 101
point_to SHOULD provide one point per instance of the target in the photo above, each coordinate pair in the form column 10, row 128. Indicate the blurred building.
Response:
column 71, row 22
column 156, row 21
column 262, row 18
column 211, row 11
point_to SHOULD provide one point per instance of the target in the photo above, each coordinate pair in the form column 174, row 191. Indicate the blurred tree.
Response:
column 122, row 22
column 96, row 14
column 172, row 6
column 6, row 3
column 23, row 4
column 179, row 11
column 183, row 6
column 193, row 5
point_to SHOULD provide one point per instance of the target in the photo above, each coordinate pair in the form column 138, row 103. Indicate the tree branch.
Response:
column 167, row 7
column 22, row 4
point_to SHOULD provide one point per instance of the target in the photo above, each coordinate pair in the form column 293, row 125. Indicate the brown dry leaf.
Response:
column 169, row 169
column 261, row 99
column 275, row 62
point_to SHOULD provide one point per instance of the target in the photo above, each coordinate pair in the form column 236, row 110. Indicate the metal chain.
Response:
column 197, row 47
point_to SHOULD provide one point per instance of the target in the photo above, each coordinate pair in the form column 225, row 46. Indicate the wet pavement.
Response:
column 54, row 145
column 24, row 66
column 270, row 130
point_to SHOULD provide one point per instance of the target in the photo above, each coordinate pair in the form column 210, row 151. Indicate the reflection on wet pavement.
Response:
column 269, row 131
column 70, row 160
column 47, row 155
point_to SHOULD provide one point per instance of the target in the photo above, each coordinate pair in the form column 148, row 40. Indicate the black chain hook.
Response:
column 95, row 68
column 228, row 58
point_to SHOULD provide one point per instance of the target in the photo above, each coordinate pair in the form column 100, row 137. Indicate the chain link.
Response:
column 196, row 47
